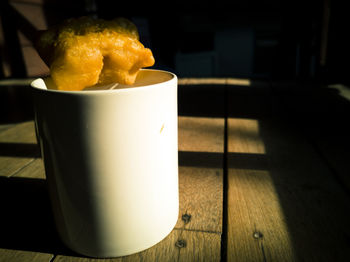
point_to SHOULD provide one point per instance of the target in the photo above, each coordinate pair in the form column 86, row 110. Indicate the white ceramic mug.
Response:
column 111, row 163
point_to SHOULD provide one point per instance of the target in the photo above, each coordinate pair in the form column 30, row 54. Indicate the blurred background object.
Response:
column 274, row 40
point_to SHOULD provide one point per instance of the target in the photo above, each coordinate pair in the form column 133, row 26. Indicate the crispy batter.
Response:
column 84, row 52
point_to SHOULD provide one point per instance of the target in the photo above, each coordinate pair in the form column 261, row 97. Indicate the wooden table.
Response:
column 263, row 176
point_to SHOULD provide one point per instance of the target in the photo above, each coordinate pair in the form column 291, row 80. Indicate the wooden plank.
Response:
column 253, row 206
column 7, row 255
column 314, row 204
column 201, row 146
column 202, row 81
column 201, row 134
column 17, row 148
column 179, row 245
column 256, row 226
column 290, row 208
column 3, row 127
column 200, row 199
column 199, row 246
column 35, row 169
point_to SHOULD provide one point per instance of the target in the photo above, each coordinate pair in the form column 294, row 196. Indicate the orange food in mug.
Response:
column 85, row 52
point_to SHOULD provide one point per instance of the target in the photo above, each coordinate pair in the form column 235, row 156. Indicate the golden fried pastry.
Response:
column 85, row 52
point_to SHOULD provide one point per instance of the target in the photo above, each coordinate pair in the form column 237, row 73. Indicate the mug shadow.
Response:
column 10, row 149
column 26, row 221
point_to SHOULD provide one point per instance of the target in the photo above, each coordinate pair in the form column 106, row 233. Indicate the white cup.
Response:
column 111, row 163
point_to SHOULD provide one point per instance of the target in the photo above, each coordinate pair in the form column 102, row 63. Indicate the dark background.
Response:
column 258, row 39
column 300, row 42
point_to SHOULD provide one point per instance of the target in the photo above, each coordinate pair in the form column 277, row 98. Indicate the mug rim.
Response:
column 104, row 91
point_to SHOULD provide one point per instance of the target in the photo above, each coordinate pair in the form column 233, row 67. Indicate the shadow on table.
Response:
column 216, row 160
column 211, row 100
column 26, row 220
column 15, row 102
column 312, row 196
column 299, row 126
column 19, row 149
column 201, row 100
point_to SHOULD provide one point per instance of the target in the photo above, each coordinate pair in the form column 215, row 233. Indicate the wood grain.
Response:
column 257, row 230
column 7, row 255
column 254, row 214
column 34, row 169
column 201, row 173
column 201, row 198
column 201, row 134
column 199, row 246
